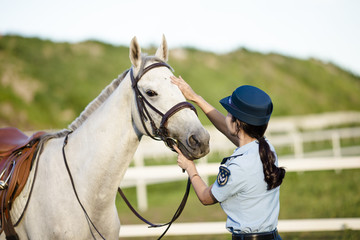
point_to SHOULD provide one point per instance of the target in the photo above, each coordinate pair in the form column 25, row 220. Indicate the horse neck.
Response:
column 101, row 149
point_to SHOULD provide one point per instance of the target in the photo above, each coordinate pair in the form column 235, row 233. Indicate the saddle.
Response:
column 17, row 153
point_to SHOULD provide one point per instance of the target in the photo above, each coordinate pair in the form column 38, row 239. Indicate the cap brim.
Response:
column 242, row 116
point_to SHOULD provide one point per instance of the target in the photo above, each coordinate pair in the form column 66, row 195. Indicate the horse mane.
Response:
column 98, row 101
column 95, row 104
column 90, row 108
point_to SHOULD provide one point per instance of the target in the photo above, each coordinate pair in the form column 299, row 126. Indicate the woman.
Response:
column 247, row 185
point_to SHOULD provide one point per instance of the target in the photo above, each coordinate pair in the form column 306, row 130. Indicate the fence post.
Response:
column 141, row 192
column 335, row 137
column 298, row 144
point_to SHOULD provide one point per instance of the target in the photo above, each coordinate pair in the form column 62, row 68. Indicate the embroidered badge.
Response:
column 223, row 176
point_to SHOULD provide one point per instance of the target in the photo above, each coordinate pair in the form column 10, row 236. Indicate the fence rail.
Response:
column 289, row 131
column 136, row 176
column 211, row 228
column 282, row 132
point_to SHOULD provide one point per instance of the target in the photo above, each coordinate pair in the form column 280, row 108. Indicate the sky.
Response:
column 328, row 30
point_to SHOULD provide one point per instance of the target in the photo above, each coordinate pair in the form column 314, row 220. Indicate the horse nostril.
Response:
column 193, row 141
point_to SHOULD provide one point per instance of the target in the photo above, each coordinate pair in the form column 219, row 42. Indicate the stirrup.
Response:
column 4, row 184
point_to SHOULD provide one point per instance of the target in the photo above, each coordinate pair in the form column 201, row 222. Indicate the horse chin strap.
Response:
column 158, row 133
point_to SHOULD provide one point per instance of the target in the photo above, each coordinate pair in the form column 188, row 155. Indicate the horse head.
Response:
column 160, row 109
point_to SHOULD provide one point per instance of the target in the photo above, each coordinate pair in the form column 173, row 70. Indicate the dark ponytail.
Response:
column 273, row 175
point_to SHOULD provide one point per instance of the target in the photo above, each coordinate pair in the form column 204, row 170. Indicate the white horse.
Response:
column 100, row 148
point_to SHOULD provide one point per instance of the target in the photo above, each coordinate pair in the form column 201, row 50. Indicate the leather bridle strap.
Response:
column 148, row 68
column 173, row 219
column 89, row 221
column 160, row 133
column 171, row 112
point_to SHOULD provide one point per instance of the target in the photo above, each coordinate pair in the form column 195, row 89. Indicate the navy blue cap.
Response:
column 249, row 104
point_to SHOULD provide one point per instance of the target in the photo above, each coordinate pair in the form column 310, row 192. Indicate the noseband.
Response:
column 161, row 132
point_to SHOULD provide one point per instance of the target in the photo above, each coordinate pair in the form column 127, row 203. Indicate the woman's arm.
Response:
column 216, row 117
column 202, row 191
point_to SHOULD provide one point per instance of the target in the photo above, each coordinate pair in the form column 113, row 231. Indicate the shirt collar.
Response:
column 245, row 148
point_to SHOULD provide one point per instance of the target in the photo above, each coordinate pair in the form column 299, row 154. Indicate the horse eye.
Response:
column 151, row 93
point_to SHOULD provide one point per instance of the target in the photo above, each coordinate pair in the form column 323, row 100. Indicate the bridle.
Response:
column 158, row 133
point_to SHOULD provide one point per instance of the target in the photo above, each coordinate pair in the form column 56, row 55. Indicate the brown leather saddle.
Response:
column 17, row 153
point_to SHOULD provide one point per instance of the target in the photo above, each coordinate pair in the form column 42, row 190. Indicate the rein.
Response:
column 151, row 225
column 74, row 188
column 173, row 219
column 158, row 133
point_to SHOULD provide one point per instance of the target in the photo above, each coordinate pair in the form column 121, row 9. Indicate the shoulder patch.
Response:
column 223, row 176
column 230, row 158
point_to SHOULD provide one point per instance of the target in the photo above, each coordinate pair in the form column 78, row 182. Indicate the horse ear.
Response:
column 135, row 53
column 163, row 51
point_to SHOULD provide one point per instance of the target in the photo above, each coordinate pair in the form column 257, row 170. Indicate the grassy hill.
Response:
column 46, row 85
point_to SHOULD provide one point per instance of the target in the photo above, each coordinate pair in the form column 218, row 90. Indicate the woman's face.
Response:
column 231, row 125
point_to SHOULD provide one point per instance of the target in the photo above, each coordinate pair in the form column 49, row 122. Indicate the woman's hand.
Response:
column 182, row 161
column 184, row 88
column 201, row 189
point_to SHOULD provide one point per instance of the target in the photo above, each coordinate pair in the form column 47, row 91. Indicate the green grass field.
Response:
column 317, row 194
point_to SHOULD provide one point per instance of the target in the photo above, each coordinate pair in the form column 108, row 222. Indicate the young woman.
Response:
column 247, row 186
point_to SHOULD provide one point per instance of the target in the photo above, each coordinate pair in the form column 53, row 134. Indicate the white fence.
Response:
column 159, row 174
column 211, row 228
column 281, row 132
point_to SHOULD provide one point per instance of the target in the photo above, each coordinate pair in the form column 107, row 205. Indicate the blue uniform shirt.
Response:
column 242, row 192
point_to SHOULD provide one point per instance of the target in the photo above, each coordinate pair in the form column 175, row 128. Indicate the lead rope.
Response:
column 168, row 224
column 90, row 223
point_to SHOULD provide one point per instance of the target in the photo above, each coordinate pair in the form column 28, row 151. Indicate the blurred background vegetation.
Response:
column 46, row 85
